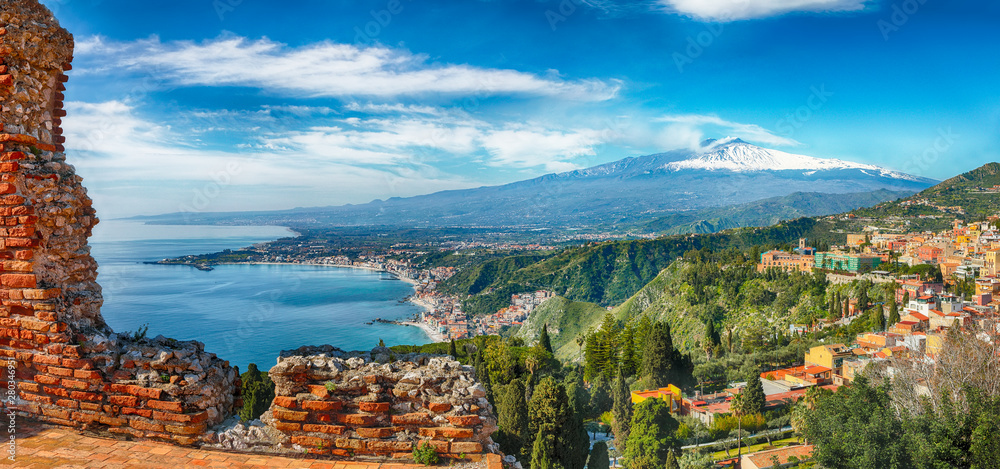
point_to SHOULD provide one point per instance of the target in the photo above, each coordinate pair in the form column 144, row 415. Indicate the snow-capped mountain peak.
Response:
column 733, row 154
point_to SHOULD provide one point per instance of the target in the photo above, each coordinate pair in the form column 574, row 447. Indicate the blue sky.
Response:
column 218, row 105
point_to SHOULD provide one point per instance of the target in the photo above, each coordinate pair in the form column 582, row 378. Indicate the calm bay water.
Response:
column 243, row 313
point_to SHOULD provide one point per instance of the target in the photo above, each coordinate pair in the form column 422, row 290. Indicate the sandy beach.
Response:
column 427, row 328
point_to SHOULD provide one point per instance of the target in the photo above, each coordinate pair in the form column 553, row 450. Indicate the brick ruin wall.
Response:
column 376, row 404
column 71, row 368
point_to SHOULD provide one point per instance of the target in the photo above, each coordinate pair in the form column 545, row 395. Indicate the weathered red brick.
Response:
column 287, row 427
column 69, row 403
column 55, row 391
column 90, row 406
column 290, row 415
column 438, row 407
column 57, row 413
column 124, row 401
column 446, row 432
column 310, row 441
column 58, row 371
column 87, row 374
column 373, row 406
column 389, row 446
column 382, row 432
column 285, row 401
column 464, row 420
column 415, row 418
column 36, row 398
column 356, row 419
column 140, row 424
column 86, row 396
column 140, row 412
column 85, row 417
column 332, row 429
column 350, row 443
column 466, row 447
column 321, row 406
column 438, row 445
column 78, row 363
column 165, row 406
column 29, row 387
column 319, row 391
column 183, row 418
column 74, row 384
column 194, row 429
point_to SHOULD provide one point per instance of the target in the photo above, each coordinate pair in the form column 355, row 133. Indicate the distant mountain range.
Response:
column 665, row 191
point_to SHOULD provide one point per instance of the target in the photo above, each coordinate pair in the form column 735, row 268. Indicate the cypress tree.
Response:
column 599, row 458
column 257, row 391
column 453, row 349
column 906, row 299
column 652, row 435
column 672, row 461
column 512, row 419
column 600, row 396
column 893, row 312
column 847, row 307
column 752, row 399
column 621, row 411
column 658, row 355
column 556, row 428
column 543, row 340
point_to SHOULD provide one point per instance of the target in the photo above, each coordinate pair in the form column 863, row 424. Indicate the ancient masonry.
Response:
column 373, row 403
column 72, row 369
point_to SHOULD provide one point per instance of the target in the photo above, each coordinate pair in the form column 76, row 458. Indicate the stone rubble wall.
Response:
column 71, row 368
column 377, row 404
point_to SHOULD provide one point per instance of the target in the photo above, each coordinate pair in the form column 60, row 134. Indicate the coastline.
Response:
column 428, row 330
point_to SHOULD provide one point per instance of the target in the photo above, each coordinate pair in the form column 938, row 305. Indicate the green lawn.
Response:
column 753, row 449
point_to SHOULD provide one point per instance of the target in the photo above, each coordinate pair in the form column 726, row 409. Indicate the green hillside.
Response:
column 611, row 272
column 566, row 320
column 965, row 191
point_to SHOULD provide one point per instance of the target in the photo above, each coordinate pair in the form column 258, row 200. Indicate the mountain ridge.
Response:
column 620, row 193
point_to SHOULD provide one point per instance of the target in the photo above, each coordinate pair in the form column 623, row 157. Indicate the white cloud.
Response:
column 134, row 166
column 324, row 69
column 521, row 147
column 733, row 10
column 688, row 129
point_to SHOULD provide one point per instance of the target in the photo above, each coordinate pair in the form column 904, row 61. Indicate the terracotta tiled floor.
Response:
column 55, row 447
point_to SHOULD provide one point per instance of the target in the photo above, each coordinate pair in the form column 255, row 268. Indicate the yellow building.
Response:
column 671, row 394
column 993, row 262
column 935, row 343
column 829, row 356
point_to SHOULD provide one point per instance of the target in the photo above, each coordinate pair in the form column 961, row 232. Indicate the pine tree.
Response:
column 512, row 419
column 621, row 411
column 599, row 458
column 658, row 355
column 453, row 349
column 543, row 340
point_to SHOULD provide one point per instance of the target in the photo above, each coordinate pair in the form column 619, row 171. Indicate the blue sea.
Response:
column 243, row 313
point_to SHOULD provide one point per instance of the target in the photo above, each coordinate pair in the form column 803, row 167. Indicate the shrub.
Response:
column 425, row 454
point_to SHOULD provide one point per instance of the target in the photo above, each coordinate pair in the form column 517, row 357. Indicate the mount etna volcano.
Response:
column 724, row 178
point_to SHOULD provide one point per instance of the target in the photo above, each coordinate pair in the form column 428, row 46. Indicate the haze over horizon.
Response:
column 231, row 105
